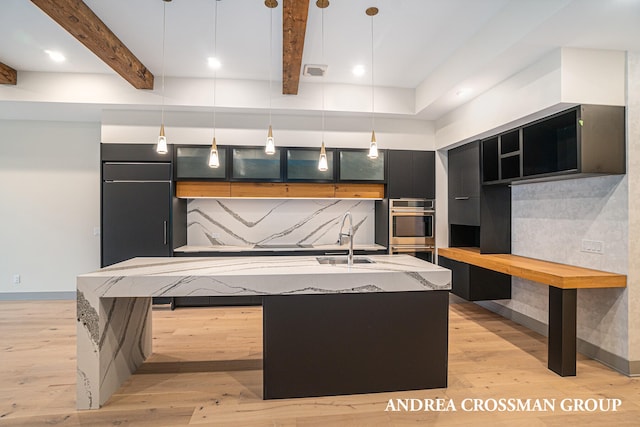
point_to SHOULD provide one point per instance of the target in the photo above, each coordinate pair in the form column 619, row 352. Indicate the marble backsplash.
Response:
column 242, row 222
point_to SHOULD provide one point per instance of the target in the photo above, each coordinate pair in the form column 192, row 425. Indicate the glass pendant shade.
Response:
column 214, row 159
column 270, row 147
column 161, row 148
column 323, row 165
column 373, row 147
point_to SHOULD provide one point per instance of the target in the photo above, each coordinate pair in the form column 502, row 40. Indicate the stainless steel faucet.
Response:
column 349, row 234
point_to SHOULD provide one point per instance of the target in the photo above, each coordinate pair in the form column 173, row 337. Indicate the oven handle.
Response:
column 412, row 248
column 408, row 212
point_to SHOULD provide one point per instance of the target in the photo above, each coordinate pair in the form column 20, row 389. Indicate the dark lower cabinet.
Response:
column 475, row 283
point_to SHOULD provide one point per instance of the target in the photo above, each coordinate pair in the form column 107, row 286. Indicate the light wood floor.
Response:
column 206, row 370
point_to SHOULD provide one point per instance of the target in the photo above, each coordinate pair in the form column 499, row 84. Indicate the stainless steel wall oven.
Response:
column 412, row 227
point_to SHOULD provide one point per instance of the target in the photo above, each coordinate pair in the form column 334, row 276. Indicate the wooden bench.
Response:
column 563, row 281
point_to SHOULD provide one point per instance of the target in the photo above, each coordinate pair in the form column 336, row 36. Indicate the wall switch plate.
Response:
column 96, row 231
column 16, row 279
column 592, row 246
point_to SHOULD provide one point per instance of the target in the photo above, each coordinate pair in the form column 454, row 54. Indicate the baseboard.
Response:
column 626, row 367
column 33, row 296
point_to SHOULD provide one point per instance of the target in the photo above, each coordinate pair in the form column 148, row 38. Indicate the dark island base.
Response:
column 325, row 345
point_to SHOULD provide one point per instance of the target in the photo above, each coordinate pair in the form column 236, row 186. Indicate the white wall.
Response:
column 50, row 192
column 549, row 221
column 250, row 128
column 111, row 91
column 563, row 78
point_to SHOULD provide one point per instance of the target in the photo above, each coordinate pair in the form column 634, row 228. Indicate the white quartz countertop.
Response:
column 264, row 275
column 276, row 248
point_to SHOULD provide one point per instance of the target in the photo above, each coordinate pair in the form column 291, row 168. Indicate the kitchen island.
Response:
column 329, row 328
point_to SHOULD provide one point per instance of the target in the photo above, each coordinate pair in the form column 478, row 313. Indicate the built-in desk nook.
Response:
column 563, row 281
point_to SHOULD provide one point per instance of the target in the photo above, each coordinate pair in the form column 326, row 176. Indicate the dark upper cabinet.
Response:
column 464, row 184
column 411, row 174
column 253, row 164
column 302, row 165
column 583, row 141
column 193, row 163
column 133, row 153
column 354, row 166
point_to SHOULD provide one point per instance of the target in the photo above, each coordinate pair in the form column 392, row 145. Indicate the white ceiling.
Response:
column 441, row 46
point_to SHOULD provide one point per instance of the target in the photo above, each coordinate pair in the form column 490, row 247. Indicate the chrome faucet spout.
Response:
column 348, row 234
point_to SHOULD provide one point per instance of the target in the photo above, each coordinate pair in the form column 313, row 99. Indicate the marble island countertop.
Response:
column 277, row 248
column 265, row 275
column 114, row 312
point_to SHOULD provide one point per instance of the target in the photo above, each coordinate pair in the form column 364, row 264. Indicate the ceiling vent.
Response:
column 314, row 70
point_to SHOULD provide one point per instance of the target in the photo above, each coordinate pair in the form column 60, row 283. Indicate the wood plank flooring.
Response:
column 206, row 371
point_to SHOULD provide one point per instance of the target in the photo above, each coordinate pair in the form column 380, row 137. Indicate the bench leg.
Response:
column 562, row 331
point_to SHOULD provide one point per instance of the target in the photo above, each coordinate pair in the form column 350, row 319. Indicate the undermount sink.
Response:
column 344, row 260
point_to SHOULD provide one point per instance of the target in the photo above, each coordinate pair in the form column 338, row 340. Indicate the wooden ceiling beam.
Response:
column 8, row 76
column 294, row 27
column 80, row 21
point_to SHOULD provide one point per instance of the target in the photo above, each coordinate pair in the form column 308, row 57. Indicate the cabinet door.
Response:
column 255, row 165
column 354, row 165
column 135, row 220
column 476, row 284
column 400, row 182
column 423, row 174
column 193, row 162
column 464, row 184
column 459, row 276
column 411, row 174
column 302, row 165
column 464, row 171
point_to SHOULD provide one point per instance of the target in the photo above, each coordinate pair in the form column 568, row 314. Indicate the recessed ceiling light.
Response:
column 55, row 56
column 463, row 91
column 358, row 70
column 214, row 63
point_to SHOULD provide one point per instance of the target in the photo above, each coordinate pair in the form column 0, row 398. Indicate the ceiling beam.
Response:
column 8, row 76
column 294, row 27
column 80, row 21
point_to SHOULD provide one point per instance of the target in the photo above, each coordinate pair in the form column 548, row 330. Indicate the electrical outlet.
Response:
column 592, row 246
column 96, row 231
column 215, row 235
column 16, row 279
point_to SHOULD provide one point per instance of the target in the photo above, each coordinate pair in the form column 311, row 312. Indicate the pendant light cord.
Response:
column 270, row 57
column 372, row 90
column 323, row 77
column 164, row 30
column 215, row 55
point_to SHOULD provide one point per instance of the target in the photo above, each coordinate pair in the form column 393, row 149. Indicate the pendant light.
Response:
column 373, row 146
column 214, row 158
column 161, row 147
column 322, row 161
column 270, row 146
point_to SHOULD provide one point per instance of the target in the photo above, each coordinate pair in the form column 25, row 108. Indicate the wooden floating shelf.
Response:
column 199, row 189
